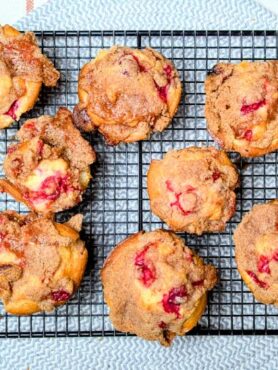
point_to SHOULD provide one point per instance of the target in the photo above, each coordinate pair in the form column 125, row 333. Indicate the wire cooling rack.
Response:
column 116, row 204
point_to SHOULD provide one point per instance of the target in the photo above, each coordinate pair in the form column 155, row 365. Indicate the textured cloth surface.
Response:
column 148, row 14
column 194, row 353
column 132, row 353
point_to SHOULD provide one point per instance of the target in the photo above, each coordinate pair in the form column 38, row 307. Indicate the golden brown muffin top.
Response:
column 192, row 189
column 50, row 164
column 127, row 93
column 153, row 284
column 37, row 257
column 256, row 247
column 21, row 60
column 241, row 106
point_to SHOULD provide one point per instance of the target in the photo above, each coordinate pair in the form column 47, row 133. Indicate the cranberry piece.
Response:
column 140, row 257
column 215, row 176
column 51, row 188
column 30, row 125
column 263, row 262
column 59, row 295
column 17, row 165
column 198, row 283
column 249, row 108
column 177, row 203
column 146, row 267
column 12, row 111
column 12, row 149
column 263, row 265
column 148, row 275
column 169, row 186
column 162, row 325
column 255, row 278
column 40, row 147
column 171, row 301
column 162, row 92
column 168, row 70
column 275, row 256
column 248, row 135
column 190, row 189
column 141, row 67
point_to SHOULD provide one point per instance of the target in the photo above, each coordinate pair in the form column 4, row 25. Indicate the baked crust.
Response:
column 126, row 94
column 256, row 240
column 49, row 168
column 42, row 263
column 241, row 106
column 23, row 70
column 192, row 189
column 155, row 286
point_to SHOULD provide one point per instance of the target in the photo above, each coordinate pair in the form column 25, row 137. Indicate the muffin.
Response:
column 192, row 189
column 49, row 168
column 155, row 286
column 126, row 94
column 256, row 251
column 241, row 106
column 23, row 70
column 41, row 262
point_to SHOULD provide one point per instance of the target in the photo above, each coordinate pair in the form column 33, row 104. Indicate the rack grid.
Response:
column 116, row 203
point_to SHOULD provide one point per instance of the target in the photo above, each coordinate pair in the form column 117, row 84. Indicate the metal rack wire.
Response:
column 116, row 204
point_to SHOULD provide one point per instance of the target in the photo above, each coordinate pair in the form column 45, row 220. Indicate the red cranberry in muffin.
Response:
column 126, row 94
column 23, row 70
column 256, row 247
column 192, row 189
column 155, row 286
column 49, row 168
column 41, row 262
column 241, row 106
